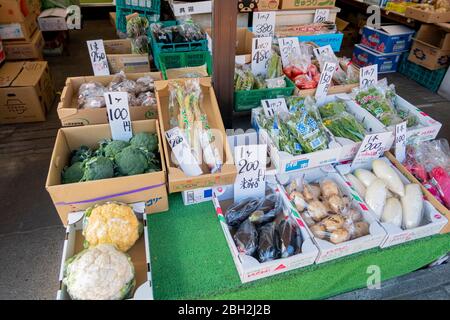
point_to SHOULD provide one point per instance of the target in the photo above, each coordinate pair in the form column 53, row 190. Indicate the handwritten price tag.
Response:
column 251, row 168
column 400, row 141
column 274, row 106
column 321, row 15
column 371, row 148
column 119, row 115
column 368, row 76
column 325, row 80
column 264, row 23
column 98, row 57
column 289, row 47
column 325, row 50
column 261, row 53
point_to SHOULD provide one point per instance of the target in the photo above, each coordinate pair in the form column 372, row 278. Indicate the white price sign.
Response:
column 368, row 76
column 325, row 80
column 264, row 23
column 119, row 115
column 288, row 47
column 400, row 141
column 98, row 57
column 321, row 15
column 274, row 106
column 325, row 50
column 371, row 148
column 251, row 171
column 182, row 152
column 261, row 53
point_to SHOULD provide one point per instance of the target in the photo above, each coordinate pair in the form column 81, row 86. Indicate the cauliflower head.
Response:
column 146, row 141
column 131, row 161
column 99, row 273
column 112, row 223
column 97, row 168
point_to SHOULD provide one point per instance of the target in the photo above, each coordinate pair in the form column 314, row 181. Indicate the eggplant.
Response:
column 239, row 212
column 246, row 238
column 268, row 244
column 291, row 239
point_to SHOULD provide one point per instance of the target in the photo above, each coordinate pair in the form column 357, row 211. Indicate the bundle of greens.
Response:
column 113, row 159
column 137, row 31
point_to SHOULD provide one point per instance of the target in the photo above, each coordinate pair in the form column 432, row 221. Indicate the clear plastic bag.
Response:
column 268, row 243
column 90, row 95
column 276, row 83
column 145, row 84
column 246, row 238
column 120, row 83
column 291, row 239
column 239, row 212
column 137, row 31
column 267, row 210
column 146, row 99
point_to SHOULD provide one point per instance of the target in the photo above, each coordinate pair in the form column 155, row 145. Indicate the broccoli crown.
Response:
column 110, row 148
column 98, row 168
column 146, row 141
column 73, row 174
column 81, row 154
column 131, row 161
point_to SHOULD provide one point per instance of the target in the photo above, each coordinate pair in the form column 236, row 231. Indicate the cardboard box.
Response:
column 112, row 19
column 432, row 222
column 149, row 187
column 306, row 4
column 302, row 16
column 71, row 115
column 139, row 254
column 26, row 92
column 21, row 50
column 120, row 58
column 244, row 38
column 387, row 62
column 328, row 250
column 431, row 47
column 426, row 16
column 249, row 268
column 19, row 30
column 178, row 181
column 17, row 10
column 53, row 19
column 268, row 5
column 388, row 39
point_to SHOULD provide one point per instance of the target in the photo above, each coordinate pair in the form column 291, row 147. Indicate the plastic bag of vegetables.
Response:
column 137, row 31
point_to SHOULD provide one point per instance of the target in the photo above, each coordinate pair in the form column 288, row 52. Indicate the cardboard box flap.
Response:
column 9, row 72
column 341, row 24
column 31, row 74
column 54, row 12
column 433, row 36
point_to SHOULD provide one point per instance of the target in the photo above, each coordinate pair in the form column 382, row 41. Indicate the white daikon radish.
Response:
column 392, row 212
column 376, row 196
column 386, row 173
column 365, row 176
column 412, row 204
column 358, row 185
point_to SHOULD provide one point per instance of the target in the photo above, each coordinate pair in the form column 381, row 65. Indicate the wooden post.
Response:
column 224, row 51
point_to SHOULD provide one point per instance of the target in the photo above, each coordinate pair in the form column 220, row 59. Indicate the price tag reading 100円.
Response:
column 119, row 115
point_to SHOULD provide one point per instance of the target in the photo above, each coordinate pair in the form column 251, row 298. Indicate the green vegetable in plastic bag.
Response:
column 332, row 109
column 345, row 125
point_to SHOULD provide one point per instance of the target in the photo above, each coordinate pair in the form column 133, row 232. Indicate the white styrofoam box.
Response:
column 444, row 89
column 285, row 162
column 432, row 222
column 328, row 250
column 74, row 224
column 369, row 122
column 197, row 196
column 249, row 268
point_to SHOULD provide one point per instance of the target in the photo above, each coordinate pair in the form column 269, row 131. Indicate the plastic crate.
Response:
column 430, row 79
column 246, row 100
column 184, row 59
column 159, row 47
column 122, row 13
column 153, row 5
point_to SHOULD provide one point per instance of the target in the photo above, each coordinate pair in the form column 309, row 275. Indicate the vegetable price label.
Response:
column 325, row 80
column 261, row 53
column 273, row 106
column 371, row 148
column 264, row 23
column 400, row 141
column 289, row 47
column 182, row 152
column 321, row 15
column 119, row 115
column 251, row 168
column 325, row 50
column 368, row 76
column 98, row 57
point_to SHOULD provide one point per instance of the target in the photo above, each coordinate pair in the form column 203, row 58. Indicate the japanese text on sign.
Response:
column 264, row 24
column 289, row 47
column 368, row 76
column 274, row 106
column 400, row 141
column 98, row 57
column 119, row 115
column 261, row 53
column 325, row 80
column 325, row 50
column 321, row 15
column 371, row 148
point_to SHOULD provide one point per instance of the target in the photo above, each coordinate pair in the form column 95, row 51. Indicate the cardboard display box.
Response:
column 120, row 58
column 431, row 47
column 71, row 115
column 26, row 92
column 139, row 254
column 178, row 180
column 388, row 39
column 53, row 19
column 432, row 222
column 149, row 187
column 387, row 62
column 249, row 268
column 21, row 50
column 302, row 16
column 18, row 10
column 306, row 4
column 19, row 30
column 426, row 16
column 328, row 250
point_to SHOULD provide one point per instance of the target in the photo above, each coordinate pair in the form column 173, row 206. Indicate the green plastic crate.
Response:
column 184, row 59
column 246, row 100
column 153, row 5
column 121, row 13
column 430, row 79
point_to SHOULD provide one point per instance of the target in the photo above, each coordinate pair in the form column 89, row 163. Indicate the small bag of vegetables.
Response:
column 137, row 31
column 91, row 95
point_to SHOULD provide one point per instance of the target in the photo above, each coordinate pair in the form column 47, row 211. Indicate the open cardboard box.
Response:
column 329, row 250
column 244, row 38
column 71, row 115
column 432, row 222
column 22, row 30
column 249, row 268
column 149, row 187
column 139, row 254
column 427, row 16
column 120, row 58
column 178, row 181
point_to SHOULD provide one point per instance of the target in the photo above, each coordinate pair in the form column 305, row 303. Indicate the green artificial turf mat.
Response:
column 191, row 260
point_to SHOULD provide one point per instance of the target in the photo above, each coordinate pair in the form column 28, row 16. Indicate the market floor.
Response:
column 31, row 234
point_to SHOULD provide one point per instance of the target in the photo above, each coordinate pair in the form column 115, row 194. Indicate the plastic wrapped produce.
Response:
column 137, row 31
column 145, row 84
column 238, row 212
column 346, row 126
column 268, row 243
column 246, row 238
column 91, row 95
column 267, row 210
column 122, row 84
column 290, row 238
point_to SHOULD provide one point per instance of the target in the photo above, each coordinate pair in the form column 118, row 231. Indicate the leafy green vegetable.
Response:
column 131, row 161
column 98, row 168
column 306, row 126
column 345, row 125
column 73, row 174
column 332, row 109
column 81, row 154
column 110, row 148
column 146, row 141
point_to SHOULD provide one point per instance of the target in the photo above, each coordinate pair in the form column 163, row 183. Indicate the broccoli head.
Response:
column 110, row 148
column 131, row 161
column 73, row 174
column 146, row 141
column 81, row 154
column 98, row 168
